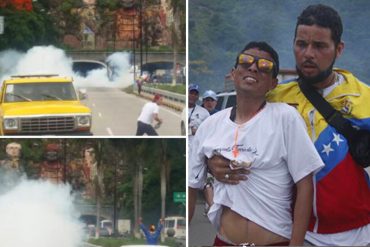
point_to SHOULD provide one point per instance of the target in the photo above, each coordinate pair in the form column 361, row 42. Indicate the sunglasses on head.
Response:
column 263, row 64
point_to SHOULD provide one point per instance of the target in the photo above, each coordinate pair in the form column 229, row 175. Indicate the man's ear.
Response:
column 232, row 73
column 339, row 49
column 274, row 83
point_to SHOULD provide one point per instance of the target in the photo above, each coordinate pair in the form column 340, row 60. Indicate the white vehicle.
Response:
column 106, row 228
column 226, row 100
column 177, row 224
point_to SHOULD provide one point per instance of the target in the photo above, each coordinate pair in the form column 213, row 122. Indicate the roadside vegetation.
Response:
column 117, row 242
column 178, row 88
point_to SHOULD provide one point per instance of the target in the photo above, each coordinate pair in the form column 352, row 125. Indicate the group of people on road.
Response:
column 282, row 174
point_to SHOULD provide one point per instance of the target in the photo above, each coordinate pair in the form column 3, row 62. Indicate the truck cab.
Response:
column 42, row 105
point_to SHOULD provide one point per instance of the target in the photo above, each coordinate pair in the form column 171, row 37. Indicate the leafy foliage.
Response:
column 107, row 4
column 26, row 29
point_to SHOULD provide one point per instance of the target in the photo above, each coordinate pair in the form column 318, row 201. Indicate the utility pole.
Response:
column 141, row 37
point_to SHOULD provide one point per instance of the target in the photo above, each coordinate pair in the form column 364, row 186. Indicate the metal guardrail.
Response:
column 179, row 98
column 90, row 245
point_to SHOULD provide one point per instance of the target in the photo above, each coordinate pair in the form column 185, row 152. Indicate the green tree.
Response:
column 109, row 4
column 25, row 29
column 177, row 30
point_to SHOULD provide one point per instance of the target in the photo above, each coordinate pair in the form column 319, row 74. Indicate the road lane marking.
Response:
column 169, row 111
column 109, row 131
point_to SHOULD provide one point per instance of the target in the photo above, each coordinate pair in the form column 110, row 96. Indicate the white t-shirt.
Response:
column 147, row 113
column 196, row 115
column 277, row 144
column 355, row 237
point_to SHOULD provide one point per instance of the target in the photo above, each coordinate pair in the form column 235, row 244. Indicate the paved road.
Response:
column 115, row 113
column 201, row 232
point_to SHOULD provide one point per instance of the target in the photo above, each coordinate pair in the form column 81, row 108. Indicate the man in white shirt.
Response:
column 341, row 206
column 196, row 113
column 147, row 115
column 268, row 139
column 210, row 101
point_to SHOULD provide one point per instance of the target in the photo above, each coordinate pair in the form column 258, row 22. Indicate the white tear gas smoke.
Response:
column 51, row 60
column 39, row 214
column 44, row 59
column 8, row 60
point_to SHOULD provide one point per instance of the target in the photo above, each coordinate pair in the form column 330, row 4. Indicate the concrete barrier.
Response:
column 173, row 100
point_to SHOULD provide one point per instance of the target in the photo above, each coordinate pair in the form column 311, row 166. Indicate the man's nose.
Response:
column 253, row 67
column 309, row 52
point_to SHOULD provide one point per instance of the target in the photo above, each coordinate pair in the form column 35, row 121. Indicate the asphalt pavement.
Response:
column 115, row 113
column 201, row 232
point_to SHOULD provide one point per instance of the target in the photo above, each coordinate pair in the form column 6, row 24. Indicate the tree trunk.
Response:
column 98, row 209
column 163, row 163
column 140, row 187
column 174, row 46
column 164, row 171
column 98, row 184
column 135, row 192
column 138, row 191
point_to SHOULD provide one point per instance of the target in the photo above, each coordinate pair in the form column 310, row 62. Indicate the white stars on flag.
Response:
column 337, row 139
column 327, row 147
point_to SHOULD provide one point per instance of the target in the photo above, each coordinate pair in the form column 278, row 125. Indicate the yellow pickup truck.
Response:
column 42, row 105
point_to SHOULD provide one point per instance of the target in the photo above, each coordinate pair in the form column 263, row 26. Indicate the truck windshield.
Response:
column 40, row 92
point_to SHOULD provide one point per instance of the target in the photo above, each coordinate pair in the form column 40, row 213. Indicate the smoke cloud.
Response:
column 51, row 60
column 39, row 213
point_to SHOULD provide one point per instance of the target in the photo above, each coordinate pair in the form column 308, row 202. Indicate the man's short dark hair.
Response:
column 263, row 46
column 323, row 16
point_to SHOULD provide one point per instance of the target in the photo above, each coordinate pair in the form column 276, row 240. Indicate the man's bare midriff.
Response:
column 238, row 229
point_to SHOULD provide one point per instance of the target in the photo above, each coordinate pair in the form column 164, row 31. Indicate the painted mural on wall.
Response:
column 120, row 29
column 128, row 26
column 11, row 168
column 92, row 180
column 12, row 160
column 82, row 173
column 52, row 168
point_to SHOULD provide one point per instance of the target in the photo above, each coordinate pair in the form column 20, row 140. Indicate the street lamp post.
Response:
column 133, row 44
